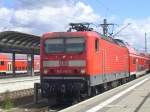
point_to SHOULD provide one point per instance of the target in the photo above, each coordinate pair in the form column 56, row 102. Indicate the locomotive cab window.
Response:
column 54, row 45
column 72, row 44
column 96, row 45
column 75, row 45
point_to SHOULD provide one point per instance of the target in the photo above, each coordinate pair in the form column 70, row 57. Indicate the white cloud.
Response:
column 46, row 18
column 5, row 17
column 34, row 17
column 134, row 33
column 34, row 4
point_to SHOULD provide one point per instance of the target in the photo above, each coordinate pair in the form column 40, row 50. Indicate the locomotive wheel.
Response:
column 105, row 86
column 119, row 82
column 64, row 100
column 59, row 100
column 132, row 77
column 89, row 91
column 76, row 97
column 100, row 88
column 94, row 91
column 114, row 84
column 124, row 80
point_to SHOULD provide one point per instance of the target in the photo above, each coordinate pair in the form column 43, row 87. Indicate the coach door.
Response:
column 9, row 67
column 103, row 65
column 137, row 68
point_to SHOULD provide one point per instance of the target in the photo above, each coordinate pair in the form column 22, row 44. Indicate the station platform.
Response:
column 130, row 97
column 18, row 83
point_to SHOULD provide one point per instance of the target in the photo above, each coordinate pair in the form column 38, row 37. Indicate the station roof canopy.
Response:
column 12, row 41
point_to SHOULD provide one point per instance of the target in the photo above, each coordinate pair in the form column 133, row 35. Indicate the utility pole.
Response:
column 105, row 26
column 145, row 42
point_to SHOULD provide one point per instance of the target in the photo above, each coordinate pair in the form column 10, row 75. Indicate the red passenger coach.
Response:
column 138, row 62
column 81, row 63
column 3, row 64
column 20, row 65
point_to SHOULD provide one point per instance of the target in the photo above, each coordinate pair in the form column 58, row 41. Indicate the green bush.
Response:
column 7, row 104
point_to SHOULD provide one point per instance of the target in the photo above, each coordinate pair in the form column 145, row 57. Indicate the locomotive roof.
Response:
column 112, row 40
column 119, row 42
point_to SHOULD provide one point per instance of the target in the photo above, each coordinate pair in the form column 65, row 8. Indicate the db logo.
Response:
column 63, row 63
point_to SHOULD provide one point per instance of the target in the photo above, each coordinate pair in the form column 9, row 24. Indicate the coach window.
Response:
column 134, row 60
column 96, row 45
column 2, row 63
column 147, row 62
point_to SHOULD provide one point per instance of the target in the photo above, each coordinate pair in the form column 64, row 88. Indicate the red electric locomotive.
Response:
column 82, row 63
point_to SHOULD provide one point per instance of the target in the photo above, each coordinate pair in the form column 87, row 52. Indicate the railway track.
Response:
column 17, row 75
column 16, row 94
column 23, row 102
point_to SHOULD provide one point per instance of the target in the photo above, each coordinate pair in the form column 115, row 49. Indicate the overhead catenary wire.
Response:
column 121, row 29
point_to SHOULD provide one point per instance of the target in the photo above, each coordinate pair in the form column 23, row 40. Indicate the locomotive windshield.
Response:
column 64, row 45
column 54, row 45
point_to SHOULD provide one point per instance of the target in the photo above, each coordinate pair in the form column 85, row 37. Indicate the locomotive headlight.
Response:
column 83, row 71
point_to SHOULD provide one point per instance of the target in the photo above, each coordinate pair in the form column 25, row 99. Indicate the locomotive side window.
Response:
column 96, row 45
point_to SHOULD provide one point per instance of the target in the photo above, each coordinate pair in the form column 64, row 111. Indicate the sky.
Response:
column 40, row 16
